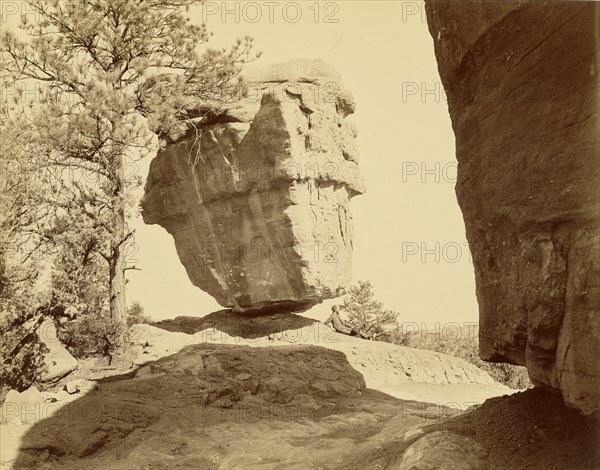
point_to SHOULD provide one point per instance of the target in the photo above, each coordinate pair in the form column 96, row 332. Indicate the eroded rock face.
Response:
column 522, row 87
column 257, row 195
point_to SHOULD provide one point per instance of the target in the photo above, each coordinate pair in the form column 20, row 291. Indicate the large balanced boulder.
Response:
column 256, row 194
column 522, row 87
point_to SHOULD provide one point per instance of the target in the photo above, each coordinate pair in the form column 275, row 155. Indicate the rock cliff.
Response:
column 522, row 86
column 256, row 194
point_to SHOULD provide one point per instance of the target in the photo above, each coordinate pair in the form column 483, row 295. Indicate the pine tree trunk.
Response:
column 118, row 306
column 3, row 280
column 117, row 287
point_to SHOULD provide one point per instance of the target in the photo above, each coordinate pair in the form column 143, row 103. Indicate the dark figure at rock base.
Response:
column 341, row 326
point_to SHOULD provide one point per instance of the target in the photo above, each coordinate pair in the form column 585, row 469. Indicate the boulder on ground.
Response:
column 80, row 386
column 26, row 407
column 398, row 370
column 58, row 362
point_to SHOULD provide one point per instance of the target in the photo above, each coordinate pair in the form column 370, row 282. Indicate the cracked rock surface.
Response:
column 522, row 86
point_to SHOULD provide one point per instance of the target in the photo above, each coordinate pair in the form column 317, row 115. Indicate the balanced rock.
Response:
column 256, row 194
column 522, row 86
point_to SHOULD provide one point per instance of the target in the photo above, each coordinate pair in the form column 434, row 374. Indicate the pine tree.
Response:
column 366, row 313
column 21, row 213
column 112, row 75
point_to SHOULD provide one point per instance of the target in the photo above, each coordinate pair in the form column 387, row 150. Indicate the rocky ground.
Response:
column 226, row 392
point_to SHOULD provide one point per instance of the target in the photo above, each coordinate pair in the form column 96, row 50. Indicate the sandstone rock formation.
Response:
column 21, row 408
column 227, row 407
column 256, row 194
column 443, row 449
column 522, row 86
column 399, row 371
column 58, row 362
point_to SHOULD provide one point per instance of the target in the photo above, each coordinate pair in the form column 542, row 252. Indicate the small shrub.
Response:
column 92, row 335
column 21, row 356
column 366, row 313
column 97, row 334
column 136, row 315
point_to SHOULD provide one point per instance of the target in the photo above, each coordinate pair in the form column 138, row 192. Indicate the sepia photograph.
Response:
column 312, row 234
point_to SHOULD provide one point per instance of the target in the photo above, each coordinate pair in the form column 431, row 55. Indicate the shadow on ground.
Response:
column 222, row 406
column 246, row 326
column 219, row 406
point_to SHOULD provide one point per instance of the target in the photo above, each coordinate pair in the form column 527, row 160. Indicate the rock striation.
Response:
column 522, row 87
column 256, row 194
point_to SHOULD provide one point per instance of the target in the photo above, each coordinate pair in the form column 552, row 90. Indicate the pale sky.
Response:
column 409, row 234
column 384, row 53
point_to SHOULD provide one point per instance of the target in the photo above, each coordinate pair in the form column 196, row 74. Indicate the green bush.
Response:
column 21, row 352
column 21, row 313
column 96, row 334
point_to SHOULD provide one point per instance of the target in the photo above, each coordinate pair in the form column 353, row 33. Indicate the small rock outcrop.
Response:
column 80, row 386
column 256, row 194
column 523, row 89
column 22, row 408
column 58, row 362
column 443, row 449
